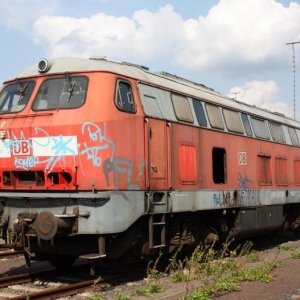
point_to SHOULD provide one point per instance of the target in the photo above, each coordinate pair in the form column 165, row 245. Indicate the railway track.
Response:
column 9, row 253
column 62, row 291
column 52, row 284
column 43, row 284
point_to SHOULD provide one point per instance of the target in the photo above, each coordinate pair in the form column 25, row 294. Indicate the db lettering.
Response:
column 21, row 148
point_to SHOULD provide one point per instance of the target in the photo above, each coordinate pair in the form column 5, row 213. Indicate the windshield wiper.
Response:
column 70, row 86
column 21, row 89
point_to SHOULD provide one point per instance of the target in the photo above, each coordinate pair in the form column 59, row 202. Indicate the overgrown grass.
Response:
column 95, row 297
column 296, row 255
column 231, row 282
column 218, row 270
column 283, row 247
column 151, row 288
column 154, row 277
column 252, row 257
column 122, row 296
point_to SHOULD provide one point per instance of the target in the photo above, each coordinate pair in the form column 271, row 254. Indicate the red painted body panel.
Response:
column 205, row 140
column 115, row 150
column 110, row 143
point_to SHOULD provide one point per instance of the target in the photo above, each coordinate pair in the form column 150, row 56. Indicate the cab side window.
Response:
column 124, row 97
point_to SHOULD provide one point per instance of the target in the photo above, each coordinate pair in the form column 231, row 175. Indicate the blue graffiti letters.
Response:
column 118, row 166
column 26, row 162
column 244, row 182
column 217, row 200
column 98, row 142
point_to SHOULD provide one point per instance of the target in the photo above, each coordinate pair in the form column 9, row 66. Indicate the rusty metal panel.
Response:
column 233, row 121
column 297, row 171
column 264, row 170
column 158, row 154
column 214, row 116
column 281, row 177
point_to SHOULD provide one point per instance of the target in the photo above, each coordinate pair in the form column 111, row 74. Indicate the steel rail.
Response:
column 54, row 293
column 8, row 253
column 69, row 289
column 22, row 278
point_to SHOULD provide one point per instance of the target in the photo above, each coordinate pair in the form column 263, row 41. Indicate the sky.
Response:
column 236, row 47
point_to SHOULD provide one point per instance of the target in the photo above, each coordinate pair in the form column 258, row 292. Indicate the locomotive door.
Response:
column 158, row 154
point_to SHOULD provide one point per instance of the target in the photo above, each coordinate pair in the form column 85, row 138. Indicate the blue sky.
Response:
column 230, row 45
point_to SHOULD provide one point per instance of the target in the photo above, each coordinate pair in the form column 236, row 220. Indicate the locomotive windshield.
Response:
column 14, row 97
column 58, row 93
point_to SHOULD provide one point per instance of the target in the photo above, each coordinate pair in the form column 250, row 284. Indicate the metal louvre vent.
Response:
column 233, row 121
column 56, row 202
column 214, row 116
column 297, row 171
column 260, row 128
column 264, row 170
column 276, row 132
column 281, row 171
column 293, row 136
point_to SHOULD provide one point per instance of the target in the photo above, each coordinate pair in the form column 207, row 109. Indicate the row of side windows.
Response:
column 164, row 104
column 235, row 122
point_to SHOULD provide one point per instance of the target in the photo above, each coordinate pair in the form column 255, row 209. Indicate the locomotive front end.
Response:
column 63, row 160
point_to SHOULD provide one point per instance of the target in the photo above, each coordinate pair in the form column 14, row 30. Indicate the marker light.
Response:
column 43, row 65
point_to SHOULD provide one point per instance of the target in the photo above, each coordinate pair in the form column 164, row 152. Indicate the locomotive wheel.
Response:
column 61, row 261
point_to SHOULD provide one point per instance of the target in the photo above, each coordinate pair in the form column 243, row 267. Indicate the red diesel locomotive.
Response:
column 104, row 159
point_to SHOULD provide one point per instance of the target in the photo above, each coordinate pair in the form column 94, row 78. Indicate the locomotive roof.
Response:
column 162, row 79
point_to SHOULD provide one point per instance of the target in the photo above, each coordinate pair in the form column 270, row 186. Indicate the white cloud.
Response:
column 263, row 94
column 20, row 14
column 238, row 36
column 146, row 36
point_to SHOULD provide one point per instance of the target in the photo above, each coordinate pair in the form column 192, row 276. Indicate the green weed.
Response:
column 151, row 288
column 296, row 255
column 154, row 276
column 95, row 297
column 121, row 296
column 283, row 247
column 227, row 283
column 252, row 257
column 202, row 293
